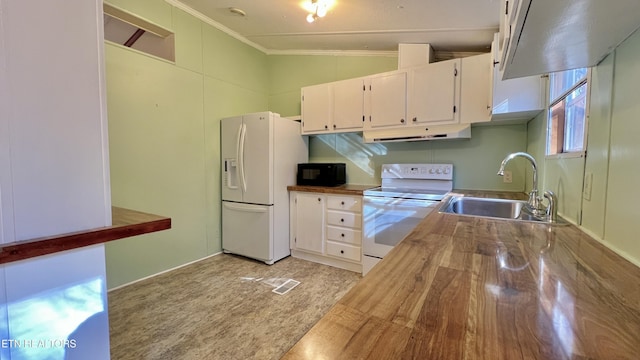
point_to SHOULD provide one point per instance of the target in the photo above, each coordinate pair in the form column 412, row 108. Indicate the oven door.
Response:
column 387, row 220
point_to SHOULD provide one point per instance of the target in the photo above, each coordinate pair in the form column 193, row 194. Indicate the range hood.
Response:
column 418, row 133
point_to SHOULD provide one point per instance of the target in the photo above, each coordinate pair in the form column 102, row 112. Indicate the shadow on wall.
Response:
column 351, row 147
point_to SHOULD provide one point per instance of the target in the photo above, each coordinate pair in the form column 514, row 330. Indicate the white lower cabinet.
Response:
column 307, row 218
column 327, row 229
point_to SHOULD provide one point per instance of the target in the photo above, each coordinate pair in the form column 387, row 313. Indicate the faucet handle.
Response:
column 552, row 208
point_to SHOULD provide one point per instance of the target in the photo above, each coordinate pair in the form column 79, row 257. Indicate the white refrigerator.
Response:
column 259, row 157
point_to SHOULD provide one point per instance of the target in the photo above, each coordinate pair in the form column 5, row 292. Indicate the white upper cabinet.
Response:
column 387, row 100
column 434, row 93
column 333, row 107
column 457, row 91
column 550, row 35
column 476, row 84
column 515, row 99
column 348, row 105
column 316, row 108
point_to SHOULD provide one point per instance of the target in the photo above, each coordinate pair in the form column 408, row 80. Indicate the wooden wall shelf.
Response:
column 126, row 223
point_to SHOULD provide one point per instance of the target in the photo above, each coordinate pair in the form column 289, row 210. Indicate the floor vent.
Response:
column 286, row 287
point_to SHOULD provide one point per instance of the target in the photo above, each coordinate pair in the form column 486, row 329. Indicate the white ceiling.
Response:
column 361, row 25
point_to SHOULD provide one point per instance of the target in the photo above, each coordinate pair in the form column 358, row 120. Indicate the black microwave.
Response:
column 322, row 174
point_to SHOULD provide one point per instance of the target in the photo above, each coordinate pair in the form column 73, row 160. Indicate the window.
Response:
column 567, row 119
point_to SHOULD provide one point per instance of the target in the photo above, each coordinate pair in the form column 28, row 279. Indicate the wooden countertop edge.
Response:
column 347, row 189
column 126, row 223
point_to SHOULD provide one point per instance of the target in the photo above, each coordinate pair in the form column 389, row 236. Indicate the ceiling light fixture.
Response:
column 236, row 11
column 317, row 9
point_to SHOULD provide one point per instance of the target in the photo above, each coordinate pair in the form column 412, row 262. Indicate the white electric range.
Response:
column 408, row 193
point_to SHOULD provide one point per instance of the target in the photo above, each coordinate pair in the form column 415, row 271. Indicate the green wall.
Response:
column 622, row 197
column 613, row 156
column 164, row 136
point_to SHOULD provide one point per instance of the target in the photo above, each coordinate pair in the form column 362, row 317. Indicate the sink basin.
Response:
column 488, row 207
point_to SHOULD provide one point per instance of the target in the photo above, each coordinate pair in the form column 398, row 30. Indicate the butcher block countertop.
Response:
column 462, row 287
column 346, row 189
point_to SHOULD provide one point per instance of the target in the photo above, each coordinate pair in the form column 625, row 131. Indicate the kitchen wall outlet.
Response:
column 588, row 182
column 507, row 178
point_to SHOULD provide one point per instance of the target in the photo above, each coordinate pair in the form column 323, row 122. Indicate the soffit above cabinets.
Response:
column 551, row 35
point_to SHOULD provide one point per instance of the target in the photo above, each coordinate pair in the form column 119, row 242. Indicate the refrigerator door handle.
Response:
column 243, row 134
column 238, row 159
column 245, row 208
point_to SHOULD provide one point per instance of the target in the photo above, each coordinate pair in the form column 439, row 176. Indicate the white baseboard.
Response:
column 325, row 260
column 162, row 272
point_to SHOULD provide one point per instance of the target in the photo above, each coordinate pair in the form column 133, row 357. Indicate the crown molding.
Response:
column 335, row 52
column 189, row 10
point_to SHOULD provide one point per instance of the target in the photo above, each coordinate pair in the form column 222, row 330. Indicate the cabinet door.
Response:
column 388, row 100
column 514, row 95
column 316, row 108
column 309, row 218
column 514, row 99
column 348, row 104
column 434, row 93
column 475, row 84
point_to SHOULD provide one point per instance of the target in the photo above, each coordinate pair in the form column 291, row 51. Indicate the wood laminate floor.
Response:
column 222, row 308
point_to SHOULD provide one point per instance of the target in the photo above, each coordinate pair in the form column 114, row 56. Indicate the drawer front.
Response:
column 344, row 235
column 345, row 219
column 345, row 203
column 344, row 251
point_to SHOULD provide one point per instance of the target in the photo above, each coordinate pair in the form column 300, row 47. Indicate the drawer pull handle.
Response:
column 341, row 251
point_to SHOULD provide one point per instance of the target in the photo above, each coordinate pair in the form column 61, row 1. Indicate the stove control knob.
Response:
column 447, row 170
column 431, row 171
column 439, row 171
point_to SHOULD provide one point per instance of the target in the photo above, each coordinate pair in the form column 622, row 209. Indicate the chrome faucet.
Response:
column 534, row 205
column 552, row 209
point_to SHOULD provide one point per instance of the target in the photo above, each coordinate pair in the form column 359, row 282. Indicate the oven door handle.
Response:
column 398, row 201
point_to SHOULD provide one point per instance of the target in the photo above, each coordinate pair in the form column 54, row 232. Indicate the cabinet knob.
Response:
column 341, row 251
column 341, row 220
column 334, row 126
column 402, row 121
column 326, row 126
column 319, row 199
column 342, row 235
column 342, row 203
column 415, row 119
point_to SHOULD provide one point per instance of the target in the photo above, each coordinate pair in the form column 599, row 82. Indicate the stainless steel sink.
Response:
column 488, row 207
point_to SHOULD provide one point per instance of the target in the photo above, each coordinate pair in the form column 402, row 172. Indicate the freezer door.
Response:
column 257, row 158
column 230, row 141
column 247, row 230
